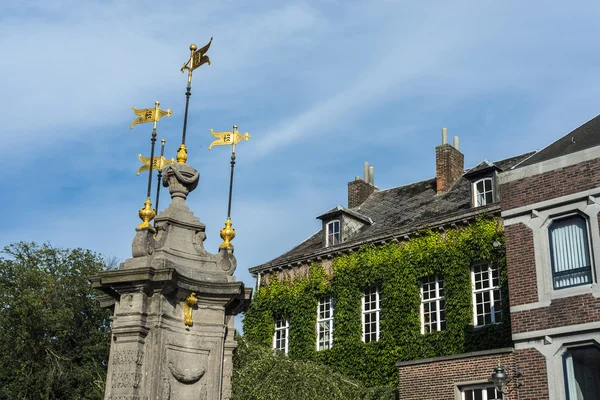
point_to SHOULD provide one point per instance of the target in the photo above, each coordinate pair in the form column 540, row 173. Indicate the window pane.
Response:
column 582, row 373
column 570, row 252
column 488, row 198
column 488, row 185
column 484, row 193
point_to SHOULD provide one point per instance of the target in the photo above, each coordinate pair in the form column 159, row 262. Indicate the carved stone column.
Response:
column 156, row 352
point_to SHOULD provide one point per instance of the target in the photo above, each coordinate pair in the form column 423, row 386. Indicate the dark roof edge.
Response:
column 341, row 209
column 456, row 356
column 328, row 252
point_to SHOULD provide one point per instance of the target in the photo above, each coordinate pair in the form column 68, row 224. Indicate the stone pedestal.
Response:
column 156, row 352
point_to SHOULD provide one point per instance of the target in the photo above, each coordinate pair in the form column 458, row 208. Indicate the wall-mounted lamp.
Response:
column 502, row 379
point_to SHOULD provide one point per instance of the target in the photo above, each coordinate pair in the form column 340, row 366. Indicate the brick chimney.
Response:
column 360, row 189
column 449, row 163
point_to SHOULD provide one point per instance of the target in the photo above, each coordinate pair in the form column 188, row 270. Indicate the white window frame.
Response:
column 483, row 387
column 491, row 289
column 339, row 232
column 372, row 311
column 476, row 193
column 436, row 299
column 325, row 300
column 285, row 328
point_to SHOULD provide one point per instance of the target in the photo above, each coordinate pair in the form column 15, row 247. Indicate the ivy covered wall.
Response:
column 397, row 269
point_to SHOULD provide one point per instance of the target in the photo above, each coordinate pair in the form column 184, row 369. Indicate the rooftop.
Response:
column 398, row 211
column 584, row 137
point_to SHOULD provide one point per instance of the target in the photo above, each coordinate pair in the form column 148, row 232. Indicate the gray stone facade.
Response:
column 156, row 353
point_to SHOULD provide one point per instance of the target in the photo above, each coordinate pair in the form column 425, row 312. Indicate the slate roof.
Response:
column 398, row 211
column 584, row 137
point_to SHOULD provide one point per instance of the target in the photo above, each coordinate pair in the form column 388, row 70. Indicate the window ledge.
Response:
column 593, row 288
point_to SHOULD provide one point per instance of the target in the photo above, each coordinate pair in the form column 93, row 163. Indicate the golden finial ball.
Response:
column 234, row 127
column 193, row 47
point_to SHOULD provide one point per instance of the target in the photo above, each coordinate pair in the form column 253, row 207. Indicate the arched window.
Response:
column 569, row 252
column 484, row 192
column 333, row 235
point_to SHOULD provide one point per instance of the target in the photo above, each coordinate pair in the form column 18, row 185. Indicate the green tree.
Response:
column 54, row 337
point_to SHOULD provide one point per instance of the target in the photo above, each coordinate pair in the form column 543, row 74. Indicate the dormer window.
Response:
column 483, row 192
column 333, row 235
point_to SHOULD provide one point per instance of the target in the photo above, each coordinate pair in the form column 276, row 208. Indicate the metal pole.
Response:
column 188, row 92
column 231, row 176
column 162, row 153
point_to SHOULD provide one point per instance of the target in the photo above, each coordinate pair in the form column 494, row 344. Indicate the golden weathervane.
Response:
column 159, row 163
column 147, row 214
column 149, row 115
column 228, row 138
column 197, row 58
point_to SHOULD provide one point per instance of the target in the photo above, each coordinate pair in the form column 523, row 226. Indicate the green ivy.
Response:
column 397, row 270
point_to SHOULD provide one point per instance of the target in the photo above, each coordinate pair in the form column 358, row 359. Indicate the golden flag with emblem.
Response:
column 198, row 58
column 159, row 162
column 149, row 115
column 228, row 138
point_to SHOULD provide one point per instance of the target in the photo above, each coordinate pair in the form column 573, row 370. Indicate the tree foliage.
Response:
column 262, row 374
column 397, row 270
column 54, row 337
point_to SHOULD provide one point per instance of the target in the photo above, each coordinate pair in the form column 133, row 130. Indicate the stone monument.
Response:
column 174, row 302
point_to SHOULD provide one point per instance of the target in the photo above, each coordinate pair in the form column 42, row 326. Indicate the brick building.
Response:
column 551, row 205
column 546, row 199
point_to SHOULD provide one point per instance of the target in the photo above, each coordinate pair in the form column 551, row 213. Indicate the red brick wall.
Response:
column 358, row 192
column 436, row 380
column 552, row 184
column 449, row 166
column 520, row 264
column 535, row 382
column 561, row 312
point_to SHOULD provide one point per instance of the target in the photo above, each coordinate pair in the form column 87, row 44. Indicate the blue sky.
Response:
column 321, row 86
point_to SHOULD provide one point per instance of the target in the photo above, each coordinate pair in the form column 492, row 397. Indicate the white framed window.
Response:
column 325, row 323
column 480, row 392
column 487, row 305
column 282, row 334
column 370, row 314
column 433, row 304
column 333, row 235
column 483, row 192
column 570, row 252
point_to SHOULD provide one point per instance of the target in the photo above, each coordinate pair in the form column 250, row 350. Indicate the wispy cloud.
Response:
column 321, row 86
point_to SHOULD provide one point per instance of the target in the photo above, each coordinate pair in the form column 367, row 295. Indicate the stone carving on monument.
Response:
column 174, row 302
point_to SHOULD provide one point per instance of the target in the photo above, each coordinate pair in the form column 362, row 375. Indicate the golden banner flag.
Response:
column 149, row 115
column 198, row 58
column 228, row 138
column 159, row 162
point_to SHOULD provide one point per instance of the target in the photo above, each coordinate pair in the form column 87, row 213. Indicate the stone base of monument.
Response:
column 174, row 304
